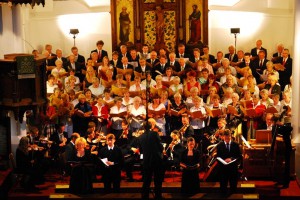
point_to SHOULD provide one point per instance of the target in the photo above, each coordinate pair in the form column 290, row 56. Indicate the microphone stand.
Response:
column 147, row 99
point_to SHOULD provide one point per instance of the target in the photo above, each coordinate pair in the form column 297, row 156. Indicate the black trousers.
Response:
column 157, row 171
column 111, row 176
column 229, row 173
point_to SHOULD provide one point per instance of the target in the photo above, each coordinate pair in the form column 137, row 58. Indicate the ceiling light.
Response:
column 222, row 2
column 95, row 3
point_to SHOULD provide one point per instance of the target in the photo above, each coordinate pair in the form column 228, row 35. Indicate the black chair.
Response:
column 17, row 176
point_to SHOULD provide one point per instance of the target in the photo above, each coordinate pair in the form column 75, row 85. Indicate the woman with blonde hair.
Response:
column 212, row 91
column 88, row 80
column 81, row 175
column 251, row 86
column 273, row 87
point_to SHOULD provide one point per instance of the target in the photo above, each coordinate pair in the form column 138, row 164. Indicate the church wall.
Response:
column 271, row 28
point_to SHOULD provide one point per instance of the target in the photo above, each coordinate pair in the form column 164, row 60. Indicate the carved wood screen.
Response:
column 159, row 23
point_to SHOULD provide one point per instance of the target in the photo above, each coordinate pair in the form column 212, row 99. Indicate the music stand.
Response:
column 235, row 31
column 74, row 32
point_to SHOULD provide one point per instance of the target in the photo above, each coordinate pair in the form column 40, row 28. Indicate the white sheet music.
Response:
column 104, row 160
column 224, row 162
column 246, row 142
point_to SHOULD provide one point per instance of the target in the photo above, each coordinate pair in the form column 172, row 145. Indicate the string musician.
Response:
column 214, row 140
column 186, row 130
column 27, row 165
column 41, row 146
column 59, row 139
column 129, row 144
column 218, row 135
column 172, row 154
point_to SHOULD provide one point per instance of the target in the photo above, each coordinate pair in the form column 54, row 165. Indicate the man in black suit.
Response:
column 78, row 58
column 70, row 147
column 280, row 49
column 232, row 56
column 73, row 65
column 134, row 57
column 33, row 135
column 101, row 53
column 196, row 55
column 269, row 123
column 181, row 52
column 152, row 61
column 286, row 73
column 259, row 65
column 187, row 129
column 182, row 69
column 113, row 162
column 255, row 50
column 60, row 57
column 124, row 52
column 70, row 151
column 115, row 59
column 228, row 151
column 152, row 150
column 211, row 58
column 142, row 68
column 160, row 68
column 145, row 52
column 59, row 139
column 218, row 61
column 125, row 65
column 247, row 62
column 172, row 62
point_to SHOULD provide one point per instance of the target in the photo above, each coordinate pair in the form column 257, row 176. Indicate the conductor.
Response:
column 152, row 151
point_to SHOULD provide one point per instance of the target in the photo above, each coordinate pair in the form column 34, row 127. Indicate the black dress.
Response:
column 190, row 183
column 81, row 174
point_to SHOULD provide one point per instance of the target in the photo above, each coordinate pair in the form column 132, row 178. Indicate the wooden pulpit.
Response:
column 23, row 83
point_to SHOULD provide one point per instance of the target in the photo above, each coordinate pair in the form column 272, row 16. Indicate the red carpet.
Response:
column 265, row 188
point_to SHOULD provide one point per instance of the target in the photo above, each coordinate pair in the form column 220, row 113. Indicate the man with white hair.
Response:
column 231, row 55
column 255, row 50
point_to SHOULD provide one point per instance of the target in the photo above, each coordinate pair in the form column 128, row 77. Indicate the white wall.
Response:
column 267, row 22
column 39, row 26
column 10, row 34
column 53, row 27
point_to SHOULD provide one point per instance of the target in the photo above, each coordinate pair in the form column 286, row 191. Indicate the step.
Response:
column 172, row 187
column 165, row 196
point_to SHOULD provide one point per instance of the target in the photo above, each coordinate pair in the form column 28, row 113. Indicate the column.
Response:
column 295, row 83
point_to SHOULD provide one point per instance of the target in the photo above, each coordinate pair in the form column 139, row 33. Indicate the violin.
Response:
column 35, row 147
column 183, row 129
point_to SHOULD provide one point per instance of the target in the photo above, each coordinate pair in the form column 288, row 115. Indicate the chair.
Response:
column 174, row 168
column 62, row 161
column 17, row 176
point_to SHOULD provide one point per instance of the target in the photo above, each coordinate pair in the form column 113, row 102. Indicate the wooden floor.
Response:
column 56, row 187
